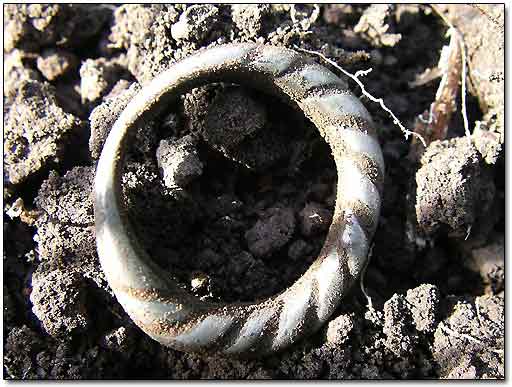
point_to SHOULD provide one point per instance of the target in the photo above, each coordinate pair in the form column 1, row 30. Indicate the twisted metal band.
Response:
column 159, row 305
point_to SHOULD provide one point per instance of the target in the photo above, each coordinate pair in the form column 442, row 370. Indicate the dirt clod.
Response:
column 232, row 117
column 339, row 329
column 56, row 63
column 178, row 161
column 249, row 18
column 398, row 326
column 373, row 27
column 35, row 128
column 424, row 302
column 18, row 68
column 195, row 23
column 452, row 188
column 488, row 144
column 22, row 345
column 271, row 232
column 58, row 300
column 33, row 26
column 65, row 228
column 98, row 76
column 489, row 261
column 143, row 31
column 472, row 335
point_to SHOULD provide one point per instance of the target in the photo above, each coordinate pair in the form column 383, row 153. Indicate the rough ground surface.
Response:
column 233, row 193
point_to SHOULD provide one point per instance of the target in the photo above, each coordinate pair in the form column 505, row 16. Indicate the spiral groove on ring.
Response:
column 159, row 305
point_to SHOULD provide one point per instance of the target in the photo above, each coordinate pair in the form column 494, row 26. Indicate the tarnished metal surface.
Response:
column 159, row 305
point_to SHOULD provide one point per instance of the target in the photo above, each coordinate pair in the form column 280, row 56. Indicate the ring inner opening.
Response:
column 230, row 191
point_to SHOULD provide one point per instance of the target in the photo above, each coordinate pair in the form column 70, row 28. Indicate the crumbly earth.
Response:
column 232, row 192
column 454, row 189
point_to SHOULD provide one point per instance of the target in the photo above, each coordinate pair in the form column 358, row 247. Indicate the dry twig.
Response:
column 455, row 34
column 433, row 124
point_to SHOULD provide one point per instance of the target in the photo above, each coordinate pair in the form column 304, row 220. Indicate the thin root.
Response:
column 380, row 101
column 361, row 280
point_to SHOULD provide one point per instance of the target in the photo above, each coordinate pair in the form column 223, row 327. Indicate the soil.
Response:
column 232, row 192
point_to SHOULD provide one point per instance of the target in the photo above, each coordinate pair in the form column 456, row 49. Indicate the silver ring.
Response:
column 159, row 305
